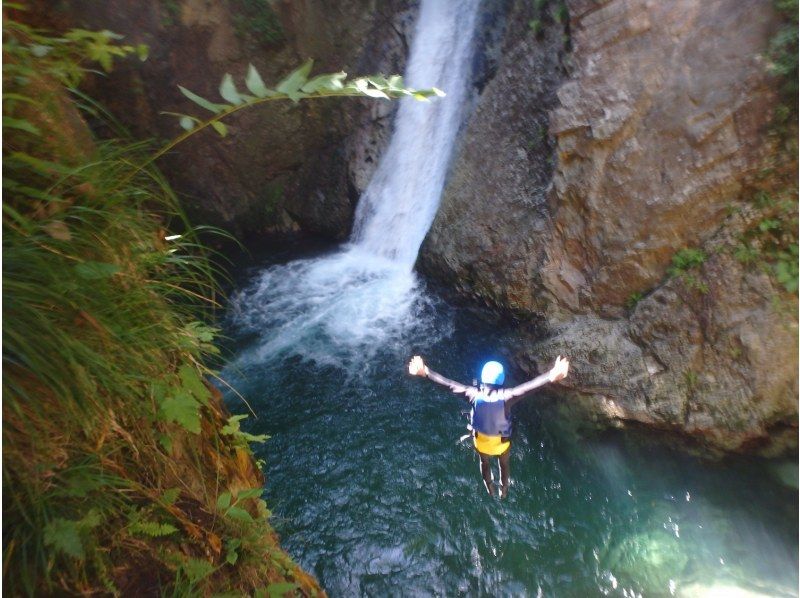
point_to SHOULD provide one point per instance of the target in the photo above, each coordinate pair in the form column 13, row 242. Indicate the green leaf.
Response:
column 43, row 167
column 18, row 98
column 251, row 493
column 329, row 82
column 768, row 224
column 20, row 125
column 142, row 51
column 239, row 514
column 278, row 590
column 232, row 427
column 202, row 102
column 187, row 122
column 197, row 569
column 152, row 529
column 232, row 546
column 166, row 442
column 201, row 331
column 64, row 535
column 255, row 84
column 292, row 84
column 96, row 270
column 362, row 85
column 224, row 501
column 191, row 381
column 183, row 409
column 220, row 128
column 259, row 438
column 228, row 91
column 170, row 496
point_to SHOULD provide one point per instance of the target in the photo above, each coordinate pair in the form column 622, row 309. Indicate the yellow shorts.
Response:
column 490, row 445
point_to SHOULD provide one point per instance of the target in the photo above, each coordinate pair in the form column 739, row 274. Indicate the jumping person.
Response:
column 490, row 417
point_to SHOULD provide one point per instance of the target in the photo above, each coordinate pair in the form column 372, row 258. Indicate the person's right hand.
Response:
column 416, row 367
column 560, row 369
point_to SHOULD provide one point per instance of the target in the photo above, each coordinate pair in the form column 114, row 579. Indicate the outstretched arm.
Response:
column 416, row 367
column 559, row 372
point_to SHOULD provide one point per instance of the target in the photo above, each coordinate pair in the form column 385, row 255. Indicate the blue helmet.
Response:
column 492, row 373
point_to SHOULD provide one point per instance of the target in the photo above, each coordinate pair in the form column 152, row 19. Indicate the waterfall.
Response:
column 401, row 200
column 341, row 308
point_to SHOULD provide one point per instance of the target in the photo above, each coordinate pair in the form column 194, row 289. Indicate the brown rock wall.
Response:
column 659, row 128
column 663, row 121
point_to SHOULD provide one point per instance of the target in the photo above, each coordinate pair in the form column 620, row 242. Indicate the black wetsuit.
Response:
column 510, row 397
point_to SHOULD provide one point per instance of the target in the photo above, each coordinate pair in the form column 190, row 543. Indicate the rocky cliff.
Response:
column 603, row 196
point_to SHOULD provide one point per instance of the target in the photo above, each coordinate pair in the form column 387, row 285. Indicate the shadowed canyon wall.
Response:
column 284, row 167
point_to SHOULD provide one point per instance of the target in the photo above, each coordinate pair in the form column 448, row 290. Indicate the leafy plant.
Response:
column 786, row 269
column 783, row 54
column 685, row 260
column 633, row 299
column 746, row 253
column 295, row 86
column 238, row 437
column 772, row 242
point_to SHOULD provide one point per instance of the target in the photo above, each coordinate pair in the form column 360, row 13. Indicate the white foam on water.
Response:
column 336, row 310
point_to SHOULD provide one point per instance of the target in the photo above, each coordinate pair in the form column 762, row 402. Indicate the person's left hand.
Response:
column 560, row 369
column 416, row 367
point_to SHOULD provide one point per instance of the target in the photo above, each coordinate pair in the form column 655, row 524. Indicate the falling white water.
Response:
column 401, row 200
column 342, row 308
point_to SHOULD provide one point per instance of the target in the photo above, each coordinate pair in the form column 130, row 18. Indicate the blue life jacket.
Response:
column 489, row 417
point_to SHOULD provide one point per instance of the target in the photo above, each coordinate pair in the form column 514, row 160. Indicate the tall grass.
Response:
column 116, row 454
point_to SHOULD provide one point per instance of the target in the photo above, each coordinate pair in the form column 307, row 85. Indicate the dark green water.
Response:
column 373, row 494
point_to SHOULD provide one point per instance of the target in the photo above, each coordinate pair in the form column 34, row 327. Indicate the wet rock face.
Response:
column 283, row 167
column 659, row 126
column 719, row 366
column 494, row 213
column 661, row 123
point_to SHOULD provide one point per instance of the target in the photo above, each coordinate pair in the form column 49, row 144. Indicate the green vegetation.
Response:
column 685, row 260
column 558, row 13
column 633, row 299
column 683, row 263
column 772, row 243
column 690, row 378
column 122, row 474
column 783, row 55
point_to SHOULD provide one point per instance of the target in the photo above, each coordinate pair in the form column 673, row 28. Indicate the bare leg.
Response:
column 486, row 473
column 505, row 472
